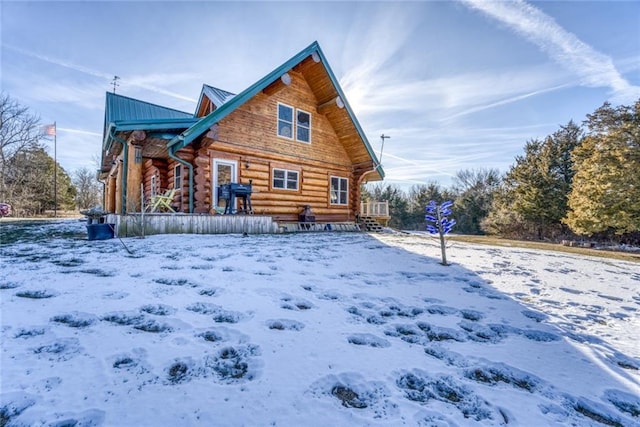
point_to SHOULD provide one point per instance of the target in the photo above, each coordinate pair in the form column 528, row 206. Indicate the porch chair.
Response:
column 162, row 202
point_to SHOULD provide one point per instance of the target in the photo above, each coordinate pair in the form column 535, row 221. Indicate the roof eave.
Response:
column 147, row 125
column 155, row 124
column 352, row 115
column 206, row 122
column 190, row 134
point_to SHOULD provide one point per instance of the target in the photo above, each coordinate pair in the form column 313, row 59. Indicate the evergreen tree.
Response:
column 32, row 181
column 419, row 197
column 536, row 188
column 560, row 171
column 501, row 219
column 526, row 187
column 398, row 202
column 475, row 190
column 605, row 194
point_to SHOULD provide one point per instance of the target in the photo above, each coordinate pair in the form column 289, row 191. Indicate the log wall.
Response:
column 249, row 134
column 157, row 168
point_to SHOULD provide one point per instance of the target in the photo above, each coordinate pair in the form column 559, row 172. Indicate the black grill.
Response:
column 229, row 192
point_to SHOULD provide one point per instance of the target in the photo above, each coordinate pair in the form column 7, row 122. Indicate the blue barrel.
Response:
column 100, row 231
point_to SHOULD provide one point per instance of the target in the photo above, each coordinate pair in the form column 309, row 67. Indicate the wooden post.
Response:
column 110, row 197
column 134, row 179
column 119, row 186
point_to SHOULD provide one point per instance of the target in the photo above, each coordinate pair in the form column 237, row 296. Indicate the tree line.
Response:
column 27, row 171
column 581, row 181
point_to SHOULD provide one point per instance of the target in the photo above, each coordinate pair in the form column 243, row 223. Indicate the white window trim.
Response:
column 214, row 179
column 309, row 128
column 293, row 121
column 339, row 178
column 286, row 174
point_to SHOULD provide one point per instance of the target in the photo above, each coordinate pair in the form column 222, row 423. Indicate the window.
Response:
column 303, row 126
column 137, row 154
column 286, row 123
column 153, row 186
column 285, row 179
column 177, row 177
column 339, row 191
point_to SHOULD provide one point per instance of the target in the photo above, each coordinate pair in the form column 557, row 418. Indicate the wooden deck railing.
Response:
column 375, row 209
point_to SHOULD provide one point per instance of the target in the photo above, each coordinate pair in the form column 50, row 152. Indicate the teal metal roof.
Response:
column 120, row 107
column 202, row 126
column 124, row 114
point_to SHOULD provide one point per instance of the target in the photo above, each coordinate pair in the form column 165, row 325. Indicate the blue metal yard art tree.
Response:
column 438, row 223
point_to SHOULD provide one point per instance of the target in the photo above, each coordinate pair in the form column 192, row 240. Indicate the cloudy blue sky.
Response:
column 455, row 84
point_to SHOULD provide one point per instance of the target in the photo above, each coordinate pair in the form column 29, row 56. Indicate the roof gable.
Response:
column 123, row 113
column 213, row 94
column 314, row 51
column 123, row 108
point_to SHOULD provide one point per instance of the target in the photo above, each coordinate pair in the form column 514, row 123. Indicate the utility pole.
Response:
column 55, row 170
column 51, row 130
column 382, row 137
column 115, row 83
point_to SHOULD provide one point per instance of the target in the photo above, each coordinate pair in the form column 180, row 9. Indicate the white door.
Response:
column 224, row 172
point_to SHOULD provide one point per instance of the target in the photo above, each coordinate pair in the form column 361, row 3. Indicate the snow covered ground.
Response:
column 328, row 329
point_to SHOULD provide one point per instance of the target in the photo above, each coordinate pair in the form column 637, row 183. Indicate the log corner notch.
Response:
column 213, row 132
column 325, row 107
column 279, row 84
column 139, row 135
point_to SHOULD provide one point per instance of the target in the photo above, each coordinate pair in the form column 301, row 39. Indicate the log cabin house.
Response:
column 291, row 135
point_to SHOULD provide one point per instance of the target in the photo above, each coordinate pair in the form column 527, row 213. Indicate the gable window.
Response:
column 285, row 121
column 177, row 177
column 285, row 179
column 303, row 126
column 137, row 154
column 339, row 191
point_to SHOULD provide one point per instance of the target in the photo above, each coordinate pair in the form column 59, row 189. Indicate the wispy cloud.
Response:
column 506, row 101
column 78, row 131
column 151, row 82
column 57, row 61
column 376, row 83
column 594, row 68
column 79, row 94
column 457, row 95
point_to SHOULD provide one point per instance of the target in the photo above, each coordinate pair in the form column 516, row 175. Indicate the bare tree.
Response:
column 88, row 188
column 19, row 133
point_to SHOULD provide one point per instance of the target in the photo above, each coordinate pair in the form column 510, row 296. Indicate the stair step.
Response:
column 370, row 224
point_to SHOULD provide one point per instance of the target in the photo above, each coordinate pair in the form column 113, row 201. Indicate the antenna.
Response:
column 382, row 137
column 115, row 83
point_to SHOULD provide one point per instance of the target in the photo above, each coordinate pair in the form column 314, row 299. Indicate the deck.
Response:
column 135, row 225
column 177, row 223
column 374, row 215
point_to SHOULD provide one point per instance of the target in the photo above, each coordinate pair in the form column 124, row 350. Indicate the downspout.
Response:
column 190, row 167
column 125, row 149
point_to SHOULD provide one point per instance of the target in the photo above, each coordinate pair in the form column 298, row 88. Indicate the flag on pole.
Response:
column 49, row 130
